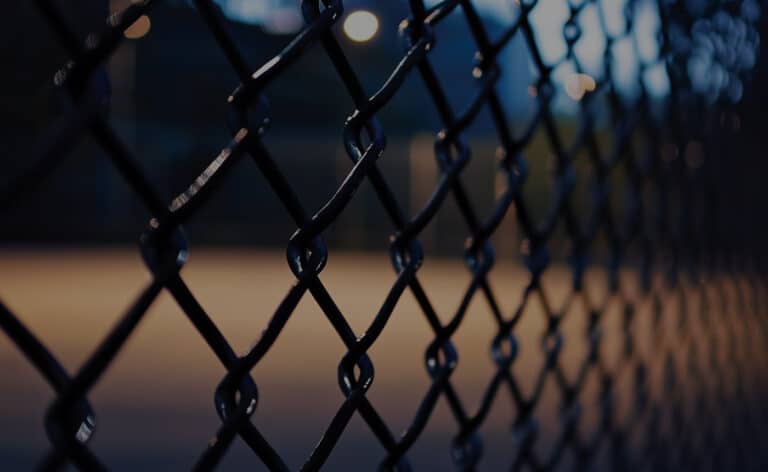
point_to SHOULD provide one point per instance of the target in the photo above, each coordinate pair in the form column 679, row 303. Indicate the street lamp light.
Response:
column 361, row 26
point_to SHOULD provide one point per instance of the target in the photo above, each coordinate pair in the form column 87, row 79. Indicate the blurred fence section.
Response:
column 619, row 139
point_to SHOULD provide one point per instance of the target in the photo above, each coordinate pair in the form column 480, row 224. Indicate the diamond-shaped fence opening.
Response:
column 613, row 146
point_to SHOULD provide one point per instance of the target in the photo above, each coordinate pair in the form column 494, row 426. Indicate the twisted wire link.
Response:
column 691, row 338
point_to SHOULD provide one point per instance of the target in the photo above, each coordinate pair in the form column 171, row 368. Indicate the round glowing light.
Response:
column 361, row 25
column 139, row 28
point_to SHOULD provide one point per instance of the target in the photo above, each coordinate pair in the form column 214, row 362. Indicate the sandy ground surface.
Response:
column 154, row 405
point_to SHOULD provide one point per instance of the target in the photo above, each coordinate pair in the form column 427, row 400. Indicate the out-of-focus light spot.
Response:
column 139, row 28
column 283, row 21
column 591, row 44
column 750, row 10
column 497, row 9
column 735, row 90
column 547, row 20
column 626, row 67
column 613, row 13
column 577, row 85
column 361, row 26
column 247, row 11
column 574, row 89
column 647, row 26
column 656, row 80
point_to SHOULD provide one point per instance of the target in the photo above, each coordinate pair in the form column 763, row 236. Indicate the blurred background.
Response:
column 69, row 266
column 169, row 82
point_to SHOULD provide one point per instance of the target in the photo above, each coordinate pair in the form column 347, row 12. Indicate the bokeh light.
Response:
column 577, row 85
column 361, row 26
column 139, row 28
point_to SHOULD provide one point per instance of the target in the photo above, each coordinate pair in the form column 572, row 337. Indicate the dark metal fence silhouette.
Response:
column 696, row 393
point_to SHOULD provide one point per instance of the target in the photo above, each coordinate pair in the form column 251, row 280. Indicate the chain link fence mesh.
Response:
column 681, row 257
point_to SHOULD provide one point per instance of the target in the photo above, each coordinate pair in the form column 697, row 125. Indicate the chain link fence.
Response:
column 681, row 256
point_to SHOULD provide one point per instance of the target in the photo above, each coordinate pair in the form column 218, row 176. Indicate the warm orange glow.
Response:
column 139, row 28
column 577, row 85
